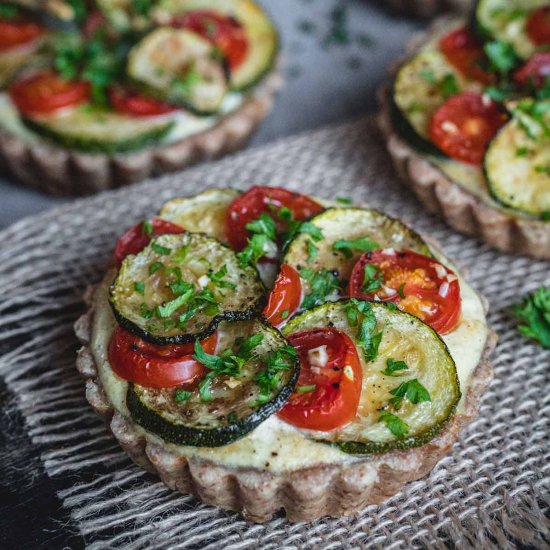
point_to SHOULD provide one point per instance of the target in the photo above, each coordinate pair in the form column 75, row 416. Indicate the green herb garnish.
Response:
column 396, row 426
column 371, row 282
column 534, row 312
column 413, row 390
column 181, row 396
column 162, row 250
column 305, row 389
column 362, row 244
column 139, row 287
column 393, row 366
column 321, row 283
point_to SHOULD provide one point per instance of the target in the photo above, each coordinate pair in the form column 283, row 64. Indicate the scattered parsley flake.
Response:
column 502, row 56
column 396, row 426
column 360, row 314
column 181, row 396
column 344, row 200
column 147, row 228
column 401, row 290
column 162, row 250
column 362, row 244
column 413, row 390
column 321, row 283
column 139, row 287
column 393, row 366
column 371, row 282
column 305, row 389
column 284, row 314
column 534, row 312
column 154, row 267
column 169, row 308
column 312, row 251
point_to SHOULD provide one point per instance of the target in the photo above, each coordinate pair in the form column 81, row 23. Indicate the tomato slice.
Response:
column 156, row 366
column 46, row 92
column 136, row 238
column 17, row 32
column 464, row 125
column 225, row 32
column 538, row 26
column 135, row 104
column 535, row 71
column 463, row 51
column 417, row 284
column 285, row 298
column 259, row 199
column 326, row 397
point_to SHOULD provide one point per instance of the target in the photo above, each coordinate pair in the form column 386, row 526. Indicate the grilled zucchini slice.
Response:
column 97, row 131
column 404, row 338
column 203, row 213
column 517, row 163
column 225, row 407
column 347, row 224
column 505, row 20
column 263, row 43
column 179, row 288
column 180, row 67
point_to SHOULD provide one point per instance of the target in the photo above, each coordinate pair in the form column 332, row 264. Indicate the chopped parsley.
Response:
column 218, row 279
column 276, row 361
column 396, row 426
column 543, row 170
column 361, row 315
column 264, row 225
column 162, row 250
column 255, row 249
column 8, row 11
column 448, row 86
column 321, row 283
column 284, row 314
column 154, row 267
column 413, row 390
column 393, row 366
column 167, row 309
column 344, row 200
column 312, row 251
column 401, row 290
column 362, row 244
column 305, row 389
column 139, row 287
column 534, row 313
column 181, row 396
column 147, row 228
column 502, row 57
column 371, row 280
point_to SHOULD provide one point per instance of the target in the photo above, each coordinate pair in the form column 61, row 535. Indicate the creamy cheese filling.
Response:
column 274, row 445
column 185, row 124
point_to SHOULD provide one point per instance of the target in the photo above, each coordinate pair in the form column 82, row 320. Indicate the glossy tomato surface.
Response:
column 136, row 238
column 463, row 50
column 538, row 26
column 417, row 284
column 285, row 298
column 46, row 92
column 464, row 125
column 18, row 32
column 258, row 200
column 325, row 397
column 156, row 366
column 225, row 32
column 135, row 104
column 535, row 71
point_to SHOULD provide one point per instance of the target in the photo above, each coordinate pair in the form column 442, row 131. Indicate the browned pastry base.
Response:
column 429, row 8
column 59, row 171
column 305, row 494
column 461, row 209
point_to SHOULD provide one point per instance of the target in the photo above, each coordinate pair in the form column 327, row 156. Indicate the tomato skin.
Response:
column 535, row 71
column 257, row 200
column 285, row 296
column 422, row 285
column 538, row 26
column 137, row 104
column 135, row 239
column 17, row 32
column 156, row 366
column 464, row 125
column 335, row 399
column 46, row 92
column 223, row 31
column 463, row 51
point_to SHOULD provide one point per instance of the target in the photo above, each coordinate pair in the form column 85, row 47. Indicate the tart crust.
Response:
column 429, row 8
column 461, row 209
column 304, row 494
column 59, row 171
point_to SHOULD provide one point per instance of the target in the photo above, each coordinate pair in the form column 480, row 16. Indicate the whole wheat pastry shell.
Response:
column 59, row 171
column 462, row 210
column 428, row 8
column 304, row 494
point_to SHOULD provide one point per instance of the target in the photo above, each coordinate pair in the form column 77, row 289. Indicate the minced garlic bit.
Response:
column 318, row 357
column 348, row 372
column 444, row 289
column 440, row 270
column 203, row 281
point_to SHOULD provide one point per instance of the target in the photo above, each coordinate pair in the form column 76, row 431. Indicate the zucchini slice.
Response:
column 347, row 224
column 180, row 67
column 203, row 213
column 404, row 338
column 517, row 162
column 263, row 42
column 505, row 20
column 422, row 85
column 96, row 131
column 225, row 407
column 179, row 288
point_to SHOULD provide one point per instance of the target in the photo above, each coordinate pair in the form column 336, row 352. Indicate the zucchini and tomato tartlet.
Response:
column 467, row 123
column 126, row 90
column 268, row 350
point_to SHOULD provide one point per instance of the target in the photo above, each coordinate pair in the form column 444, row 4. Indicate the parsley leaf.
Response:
column 139, row 287
column 321, row 283
column 162, row 250
column 277, row 360
column 147, row 228
column 370, row 280
column 535, row 314
column 217, row 279
column 312, row 251
column 396, row 426
column 305, row 389
column 8, row 11
column 392, row 366
column 502, row 57
column 255, row 249
column 181, row 396
column 363, row 244
column 360, row 314
column 413, row 390
column 169, row 308
column 264, row 225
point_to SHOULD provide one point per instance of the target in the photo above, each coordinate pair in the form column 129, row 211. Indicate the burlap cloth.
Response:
column 491, row 491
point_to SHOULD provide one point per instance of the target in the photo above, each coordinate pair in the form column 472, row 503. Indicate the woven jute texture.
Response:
column 492, row 491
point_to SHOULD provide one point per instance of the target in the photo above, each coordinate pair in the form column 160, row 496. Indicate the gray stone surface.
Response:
column 326, row 83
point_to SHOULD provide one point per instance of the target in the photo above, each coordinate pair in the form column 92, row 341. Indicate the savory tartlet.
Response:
column 467, row 124
column 122, row 92
column 268, row 351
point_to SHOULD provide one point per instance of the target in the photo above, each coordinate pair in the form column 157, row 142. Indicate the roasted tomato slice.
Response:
column 46, row 92
column 285, row 298
column 136, row 238
column 259, row 199
column 225, row 32
column 535, row 71
column 538, row 26
column 416, row 283
column 463, row 51
column 17, row 32
column 135, row 104
column 464, row 125
column 156, row 366
column 329, row 387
